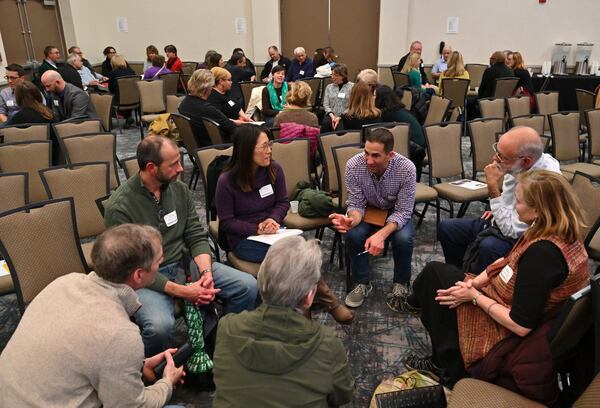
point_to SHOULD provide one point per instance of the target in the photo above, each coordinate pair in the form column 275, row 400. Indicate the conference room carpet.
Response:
column 377, row 341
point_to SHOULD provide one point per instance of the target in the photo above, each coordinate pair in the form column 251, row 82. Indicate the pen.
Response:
column 362, row 253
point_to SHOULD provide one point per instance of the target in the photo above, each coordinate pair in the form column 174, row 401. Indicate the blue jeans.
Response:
column 402, row 248
column 251, row 251
column 456, row 234
column 156, row 316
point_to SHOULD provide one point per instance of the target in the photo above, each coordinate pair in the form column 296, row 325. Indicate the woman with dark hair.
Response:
column 158, row 68
column 108, row 52
column 336, row 97
column 361, row 110
column 274, row 95
column 151, row 52
column 215, row 60
column 251, row 199
column 322, row 67
column 173, row 61
column 32, row 109
column 204, row 64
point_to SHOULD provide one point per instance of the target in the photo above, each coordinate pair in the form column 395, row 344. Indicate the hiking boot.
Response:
column 327, row 298
column 358, row 295
column 414, row 362
column 396, row 300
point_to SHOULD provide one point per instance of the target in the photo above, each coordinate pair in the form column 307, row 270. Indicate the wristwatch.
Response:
column 204, row 271
column 475, row 298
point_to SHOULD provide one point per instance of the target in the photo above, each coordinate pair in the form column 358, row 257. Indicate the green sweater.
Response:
column 275, row 357
column 133, row 203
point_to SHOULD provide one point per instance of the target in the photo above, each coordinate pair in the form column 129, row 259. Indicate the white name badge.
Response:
column 341, row 95
column 171, row 218
column 301, row 72
column 231, row 103
column 506, row 273
column 266, row 191
column 10, row 103
column 56, row 103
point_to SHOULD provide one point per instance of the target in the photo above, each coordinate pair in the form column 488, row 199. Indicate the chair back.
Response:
column 93, row 147
column 536, row 122
column 213, row 130
column 183, row 81
column 173, row 102
column 315, row 86
column 547, row 103
column 293, row 155
column 15, row 193
column 399, row 131
column 72, row 128
column 25, row 133
column 406, row 99
column 475, row 73
column 456, row 90
column 564, row 129
column 85, row 183
column 186, row 133
column 27, row 157
column 587, row 188
column 152, row 97
column 101, row 204
column 341, row 154
column 188, row 67
column 326, row 142
column 129, row 94
column 130, row 166
column 592, row 120
column 444, row 150
column 491, row 107
column 585, row 100
column 518, row 106
column 483, row 135
column 400, row 79
column 103, row 103
column 505, row 87
column 274, row 133
column 247, row 87
column 203, row 157
column 49, row 229
column 438, row 107
column 171, row 82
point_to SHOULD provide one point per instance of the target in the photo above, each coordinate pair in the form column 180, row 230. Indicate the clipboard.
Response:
column 375, row 216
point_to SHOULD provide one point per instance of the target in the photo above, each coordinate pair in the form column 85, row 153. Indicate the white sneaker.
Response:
column 358, row 295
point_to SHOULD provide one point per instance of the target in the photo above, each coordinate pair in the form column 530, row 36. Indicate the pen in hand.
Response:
column 362, row 253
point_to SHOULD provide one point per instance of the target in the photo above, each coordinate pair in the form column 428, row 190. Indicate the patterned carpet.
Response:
column 377, row 341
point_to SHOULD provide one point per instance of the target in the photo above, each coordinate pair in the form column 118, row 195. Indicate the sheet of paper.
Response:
column 469, row 184
column 272, row 238
column 4, row 268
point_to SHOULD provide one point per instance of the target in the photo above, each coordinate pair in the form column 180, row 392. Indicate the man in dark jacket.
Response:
column 415, row 47
column 276, row 59
column 497, row 69
column 69, row 70
column 68, row 101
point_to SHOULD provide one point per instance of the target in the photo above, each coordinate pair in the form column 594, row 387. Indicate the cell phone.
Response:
column 182, row 355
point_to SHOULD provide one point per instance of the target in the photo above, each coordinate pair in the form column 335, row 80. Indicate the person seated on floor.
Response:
column 274, row 95
column 301, row 66
column 221, row 96
column 195, row 106
column 67, row 100
column 456, row 69
column 276, row 59
column 77, row 338
column 251, row 199
column 297, row 107
column 467, row 315
column 336, row 97
column 70, row 70
column 174, row 63
column 441, row 64
column 15, row 74
column 151, row 52
column 158, row 68
column 361, row 109
column 31, row 103
column 381, row 195
column 274, row 356
column 518, row 150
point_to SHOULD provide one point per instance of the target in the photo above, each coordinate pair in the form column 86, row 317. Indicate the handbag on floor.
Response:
column 412, row 389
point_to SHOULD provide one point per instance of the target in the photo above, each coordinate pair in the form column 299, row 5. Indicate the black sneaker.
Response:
column 414, row 362
column 396, row 300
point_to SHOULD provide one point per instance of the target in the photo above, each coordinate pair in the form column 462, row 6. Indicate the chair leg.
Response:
column 349, row 277
column 451, row 209
column 336, row 236
column 462, row 210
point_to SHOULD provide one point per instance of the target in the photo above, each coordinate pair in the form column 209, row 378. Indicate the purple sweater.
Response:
column 240, row 213
column 151, row 72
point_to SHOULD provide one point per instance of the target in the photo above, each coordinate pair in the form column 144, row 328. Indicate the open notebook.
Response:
column 272, row 238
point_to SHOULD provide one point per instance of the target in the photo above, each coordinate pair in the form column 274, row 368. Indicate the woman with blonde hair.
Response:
column 467, row 315
column 222, row 98
column 412, row 68
column 297, row 106
column 361, row 109
column 120, row 68
column 456, row 69
column 370, row 77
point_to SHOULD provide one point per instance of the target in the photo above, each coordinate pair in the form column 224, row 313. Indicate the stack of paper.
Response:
column 270, row 239
column 470, row 184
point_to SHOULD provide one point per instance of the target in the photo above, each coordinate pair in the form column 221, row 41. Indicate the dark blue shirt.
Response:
column 296, row 71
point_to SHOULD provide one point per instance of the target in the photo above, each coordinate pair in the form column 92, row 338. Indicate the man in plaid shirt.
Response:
column 378, row 179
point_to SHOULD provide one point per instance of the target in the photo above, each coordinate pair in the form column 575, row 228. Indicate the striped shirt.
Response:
column 395, row 189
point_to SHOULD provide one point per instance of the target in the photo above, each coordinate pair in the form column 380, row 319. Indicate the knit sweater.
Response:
column 76, row 347
column 336, row 99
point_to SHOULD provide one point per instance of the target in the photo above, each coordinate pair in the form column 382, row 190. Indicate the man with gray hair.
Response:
column 76, row 345
column 274, row 355
column 301, row 66
column 441, row 64
column 520, row 149
column 417, row 48
column 69, row 71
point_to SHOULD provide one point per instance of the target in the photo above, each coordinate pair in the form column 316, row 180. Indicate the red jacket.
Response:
column 174, row 64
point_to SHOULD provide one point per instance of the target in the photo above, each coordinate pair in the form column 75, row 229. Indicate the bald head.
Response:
column 53, row 81
column 521, row 142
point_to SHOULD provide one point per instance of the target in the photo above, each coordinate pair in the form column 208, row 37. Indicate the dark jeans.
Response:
column 440, row 321
column 456, row 234
column 251, row 251
column 402, row 248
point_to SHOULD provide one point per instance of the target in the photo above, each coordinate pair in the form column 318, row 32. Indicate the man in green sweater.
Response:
column 76, row 345
column 155, row 197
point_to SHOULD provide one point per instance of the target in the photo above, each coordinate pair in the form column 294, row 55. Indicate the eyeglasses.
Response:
column 500, row 157
column 263, row 147
column 11, row 78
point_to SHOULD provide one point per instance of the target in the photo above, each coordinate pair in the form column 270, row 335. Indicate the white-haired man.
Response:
column 301, row 66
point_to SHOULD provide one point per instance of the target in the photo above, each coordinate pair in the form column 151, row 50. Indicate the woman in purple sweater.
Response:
column 251, row 199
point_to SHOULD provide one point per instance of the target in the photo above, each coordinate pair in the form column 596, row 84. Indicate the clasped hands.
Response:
column 268, row 226
column 456, row 295
column 202, row 291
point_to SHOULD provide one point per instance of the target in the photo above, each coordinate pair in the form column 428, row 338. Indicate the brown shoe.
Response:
column 327, row 298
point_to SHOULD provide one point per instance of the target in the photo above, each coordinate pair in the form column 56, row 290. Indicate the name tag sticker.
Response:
column 230, row 102
column 506, row 274
column 56, row 102
column 301, row 72
column 341, row 95
column 266, row 191
column 10, row 103
column 171, row 218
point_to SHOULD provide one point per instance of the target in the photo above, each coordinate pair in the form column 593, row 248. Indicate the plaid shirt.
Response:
column 394, row 189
